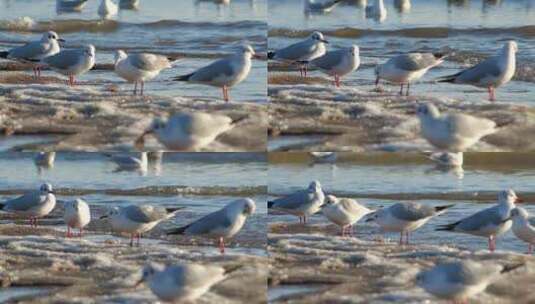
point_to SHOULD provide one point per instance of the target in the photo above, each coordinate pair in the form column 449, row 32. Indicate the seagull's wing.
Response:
column 194, row 276
column 329, row 60
column 293, row 201
column 149, row 62
column 29, row 51
column 201, row 124
column 486, row 68
column 489, row 216
column 295, row 51
column 24, row 202
column 222, row 67
column 64, row 59
column 411, row 211
column 213, row 221
column 414, row 61
column 145, row 213
column 469, row 126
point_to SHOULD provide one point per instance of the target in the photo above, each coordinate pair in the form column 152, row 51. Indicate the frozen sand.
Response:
column 320, row 117
column 96, row 116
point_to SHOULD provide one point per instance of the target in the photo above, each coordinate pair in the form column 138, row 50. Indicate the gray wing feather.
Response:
column 25, row 202
column 295, row 51
column 209, row 222
column 414, row 61
column 329, row 60
column 411, row 211
column 149, row 62
column 484, row 69
column 481, row 219
column 30, row 50
column 214, row 70
column 64, row 59
column 144, row 214
column 294, row 200
column 469, row 126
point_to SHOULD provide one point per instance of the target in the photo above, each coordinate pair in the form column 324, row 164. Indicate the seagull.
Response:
column 460, row 280
column 33, row 204
column 405, row 217
column 70, row 5
column 139, row 67
column 130, row 163
column 302, row 52
column 324, row 157
column 490, row 222
column 136, row 220
column 490, row 73
column 324, row 6
column 182, row 283
column 524, row 227
column 301, row 203
column 454, row 132
column 107, row 8
column 376, row 11
column 406, row 68
column 76, row 215
column 447, row 159
column 129, row 4
column 33, row 52
column 189, row 131
column 344, row 212
column 72, row 62
column 338, row 63
column 45, row 159
column 403, row 6
column 224, row 73
column 222, row 224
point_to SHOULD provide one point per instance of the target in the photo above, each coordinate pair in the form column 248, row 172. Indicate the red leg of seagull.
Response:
column 337, row 81
column 407, row 238
column 408, row 88
column 68, row 231
column 306, row 70
column 142, row 86
column 221, row 245
column 492, row 243
column 138, row 238
column 492, row 95
column 401, row 90
column 38, row 71
column 34, row 72
column 401, row 238
column 304, row 219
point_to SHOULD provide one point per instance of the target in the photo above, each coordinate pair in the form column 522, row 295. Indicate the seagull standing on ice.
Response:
column 524, row 227
column 107, row 8
column 338, row 63
column 77, row 215
column 33, row 204
column 301, row 203
column 491, row 222
column 72, row 62
column 344, row 212
column 491, row 73
column 376, row 11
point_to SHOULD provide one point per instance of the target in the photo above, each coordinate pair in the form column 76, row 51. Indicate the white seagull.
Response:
column 344, row 212
column 139, row 67
column 35, row 51
column 301, row 203
column 72, row 62
column 491, row 73
column 454, row 132
column 338, row 63
column 33, row 204
column 45, row 159
column 322, row 6
column 183, row 283
column 136, row 220
column 403, row 6
column 458, row 281
column 129, row 4
column 376, row 11
column 491, row 222
column 324, row 157
column 222, row 224
column 302, row 52
column 130, row 163
column 405, row 217
column 70, row 5
column 447, row 159
column 189, row 131
column 107, row 8
column 524, row 227
column 224, row 73
column 77, row 215
column 406, row 68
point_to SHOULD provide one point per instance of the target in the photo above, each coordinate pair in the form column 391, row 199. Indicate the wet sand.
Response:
column 102, row 267
column 313, row 263
column 318, row 117
column 100, row 117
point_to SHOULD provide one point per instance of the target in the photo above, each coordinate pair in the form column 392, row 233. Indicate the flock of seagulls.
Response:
column 134, row 68
column 402, row 69
column 452, row 280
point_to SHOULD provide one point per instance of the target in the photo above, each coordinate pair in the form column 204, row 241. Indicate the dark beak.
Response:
column 507, row 219
column 52, row 192
column 103, row 217
column 519, row 200
column 369, row 219
column 324, row 41
column 61, row 40
column 255, row 56
column 138, row 283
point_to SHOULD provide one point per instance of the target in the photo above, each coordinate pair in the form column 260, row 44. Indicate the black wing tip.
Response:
column 179, row 230
column 173, row 209
column 440, row 208
column 270, row 204
column 183, row 77
column 4, row 54
column 511, row 267
column 271, row 55
column 2, row 206
column 239, row 119
column 447, row 227
column 439, row 55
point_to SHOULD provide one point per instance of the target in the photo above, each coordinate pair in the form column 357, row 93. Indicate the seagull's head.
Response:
column 110, row 213
column 511, row 46
column 248, row 206
column 427, row 110
column 156, row 126
column 148, row 272
column 247, row 51
column 330, row 200
column 119, row 55
column 354, row 51
column 76, row 204
column 51, row 36
column 89, row 50
column 46, row 188
column 314, row 186
column 519, row 212
column 317, row 36
column 509, row 197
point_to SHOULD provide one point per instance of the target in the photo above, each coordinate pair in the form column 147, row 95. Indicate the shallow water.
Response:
column 467, row 30
column 376, row 181
column 201, row 31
